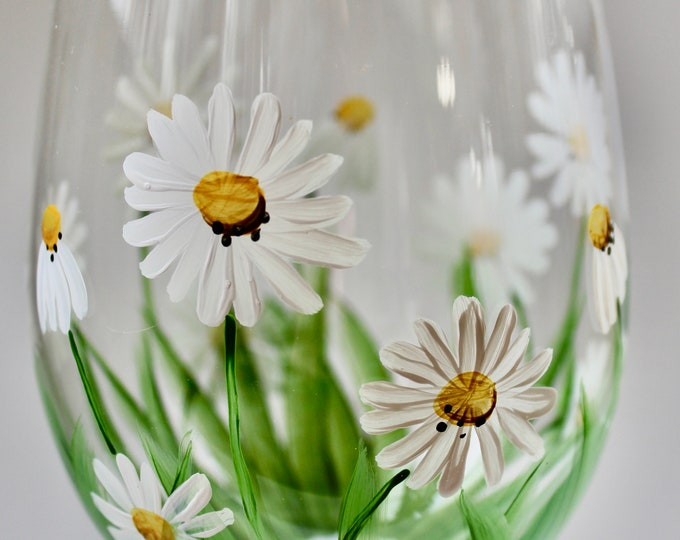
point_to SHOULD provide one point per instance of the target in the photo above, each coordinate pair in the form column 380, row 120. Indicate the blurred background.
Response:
column 634, row 493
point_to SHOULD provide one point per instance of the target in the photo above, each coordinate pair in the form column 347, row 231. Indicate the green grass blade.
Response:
column 487, row 524
column 359, row 492
column 106, row 428
column 361, row 520
column 243, row 476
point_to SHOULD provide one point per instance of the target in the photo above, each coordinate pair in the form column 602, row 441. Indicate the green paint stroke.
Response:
column 242, row 475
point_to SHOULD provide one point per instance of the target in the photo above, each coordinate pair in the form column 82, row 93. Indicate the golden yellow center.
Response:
column 578, row 141
column 484, row 242
column 354, row 112
column 151, row 526
column 600, row 228
column 231, row 204
column 51, row 227
column 467, row 400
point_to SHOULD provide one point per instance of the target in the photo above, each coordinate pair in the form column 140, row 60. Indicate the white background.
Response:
column 636, row 490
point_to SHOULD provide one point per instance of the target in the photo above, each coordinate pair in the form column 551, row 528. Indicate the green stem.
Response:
column 243, row 477
column 104, row 423
column 372, row 506
column 564, row 343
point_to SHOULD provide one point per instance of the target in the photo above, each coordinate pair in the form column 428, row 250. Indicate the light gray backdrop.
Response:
column 635, row 492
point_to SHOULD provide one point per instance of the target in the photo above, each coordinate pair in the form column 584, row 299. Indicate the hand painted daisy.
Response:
column 609, row 268
column 569, row 107
column 59, row 283
column 142, row 91
column 472, row 387
column 139, row 507
column 221, row 218
column 507, row 235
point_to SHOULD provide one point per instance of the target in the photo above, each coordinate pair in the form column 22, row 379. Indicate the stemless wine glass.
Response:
column 311, row 269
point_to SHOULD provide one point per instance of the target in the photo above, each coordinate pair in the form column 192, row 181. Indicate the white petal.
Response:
column 492, row 453
column 247, row 304
column 76, row 284
column 317, row 211
column 290, row 146
column 512, row 358
column 520, row 432
column 192, row 260
column 156, row 226
column 168, row 250
column 460, row 305
column 151, row 489
column 604, row 295
column 412, row 445
column 215, row 285
column 385, row 421
column 303, row 179
column 433, row 343
column 113, row 514
column 191, row 134
column 411, row 362
column 151, row 201
column 317, row 247
column 187, row 500
column 209, row 524
column 499, row 340
column 62, row 298
column 454, row 470
column 526, row 375
column 471, row 345
column 129, row 475
column 389, row 395
column 285, row 280
column 434, row 461
column 112, row 485
column 265, row 118
column 151, row 173
column 531, row 403
column 41, row 282
column 221, row 126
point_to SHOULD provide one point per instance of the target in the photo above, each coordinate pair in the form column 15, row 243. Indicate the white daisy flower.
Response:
column 350, row 132
column 59, row 282
column 472, row 387
column 220, row 217
column 609, row 268
column 142, row 91
column 139, row 507
column 574, row 149
column 507, row 234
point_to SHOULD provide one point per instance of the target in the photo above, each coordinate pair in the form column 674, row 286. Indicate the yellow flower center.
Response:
column 484, row 242
column 578, row 141
column 51, row 227
column 233, row 205
column 600, row 228
column 354, row 113
column 164, row 107
column 467, row 400
column 151, row 526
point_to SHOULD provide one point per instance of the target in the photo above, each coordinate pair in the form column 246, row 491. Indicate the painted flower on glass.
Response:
column 609, row 268
column 59, row 283
column 138, row 506
column 473, row 387
column 490, row 219
column 573, row 147
column 220, row 218
column 350, row 132
column 142, row 91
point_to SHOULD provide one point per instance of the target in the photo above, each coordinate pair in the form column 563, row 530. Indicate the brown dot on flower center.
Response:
column 467, row 400
column 231, row 204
